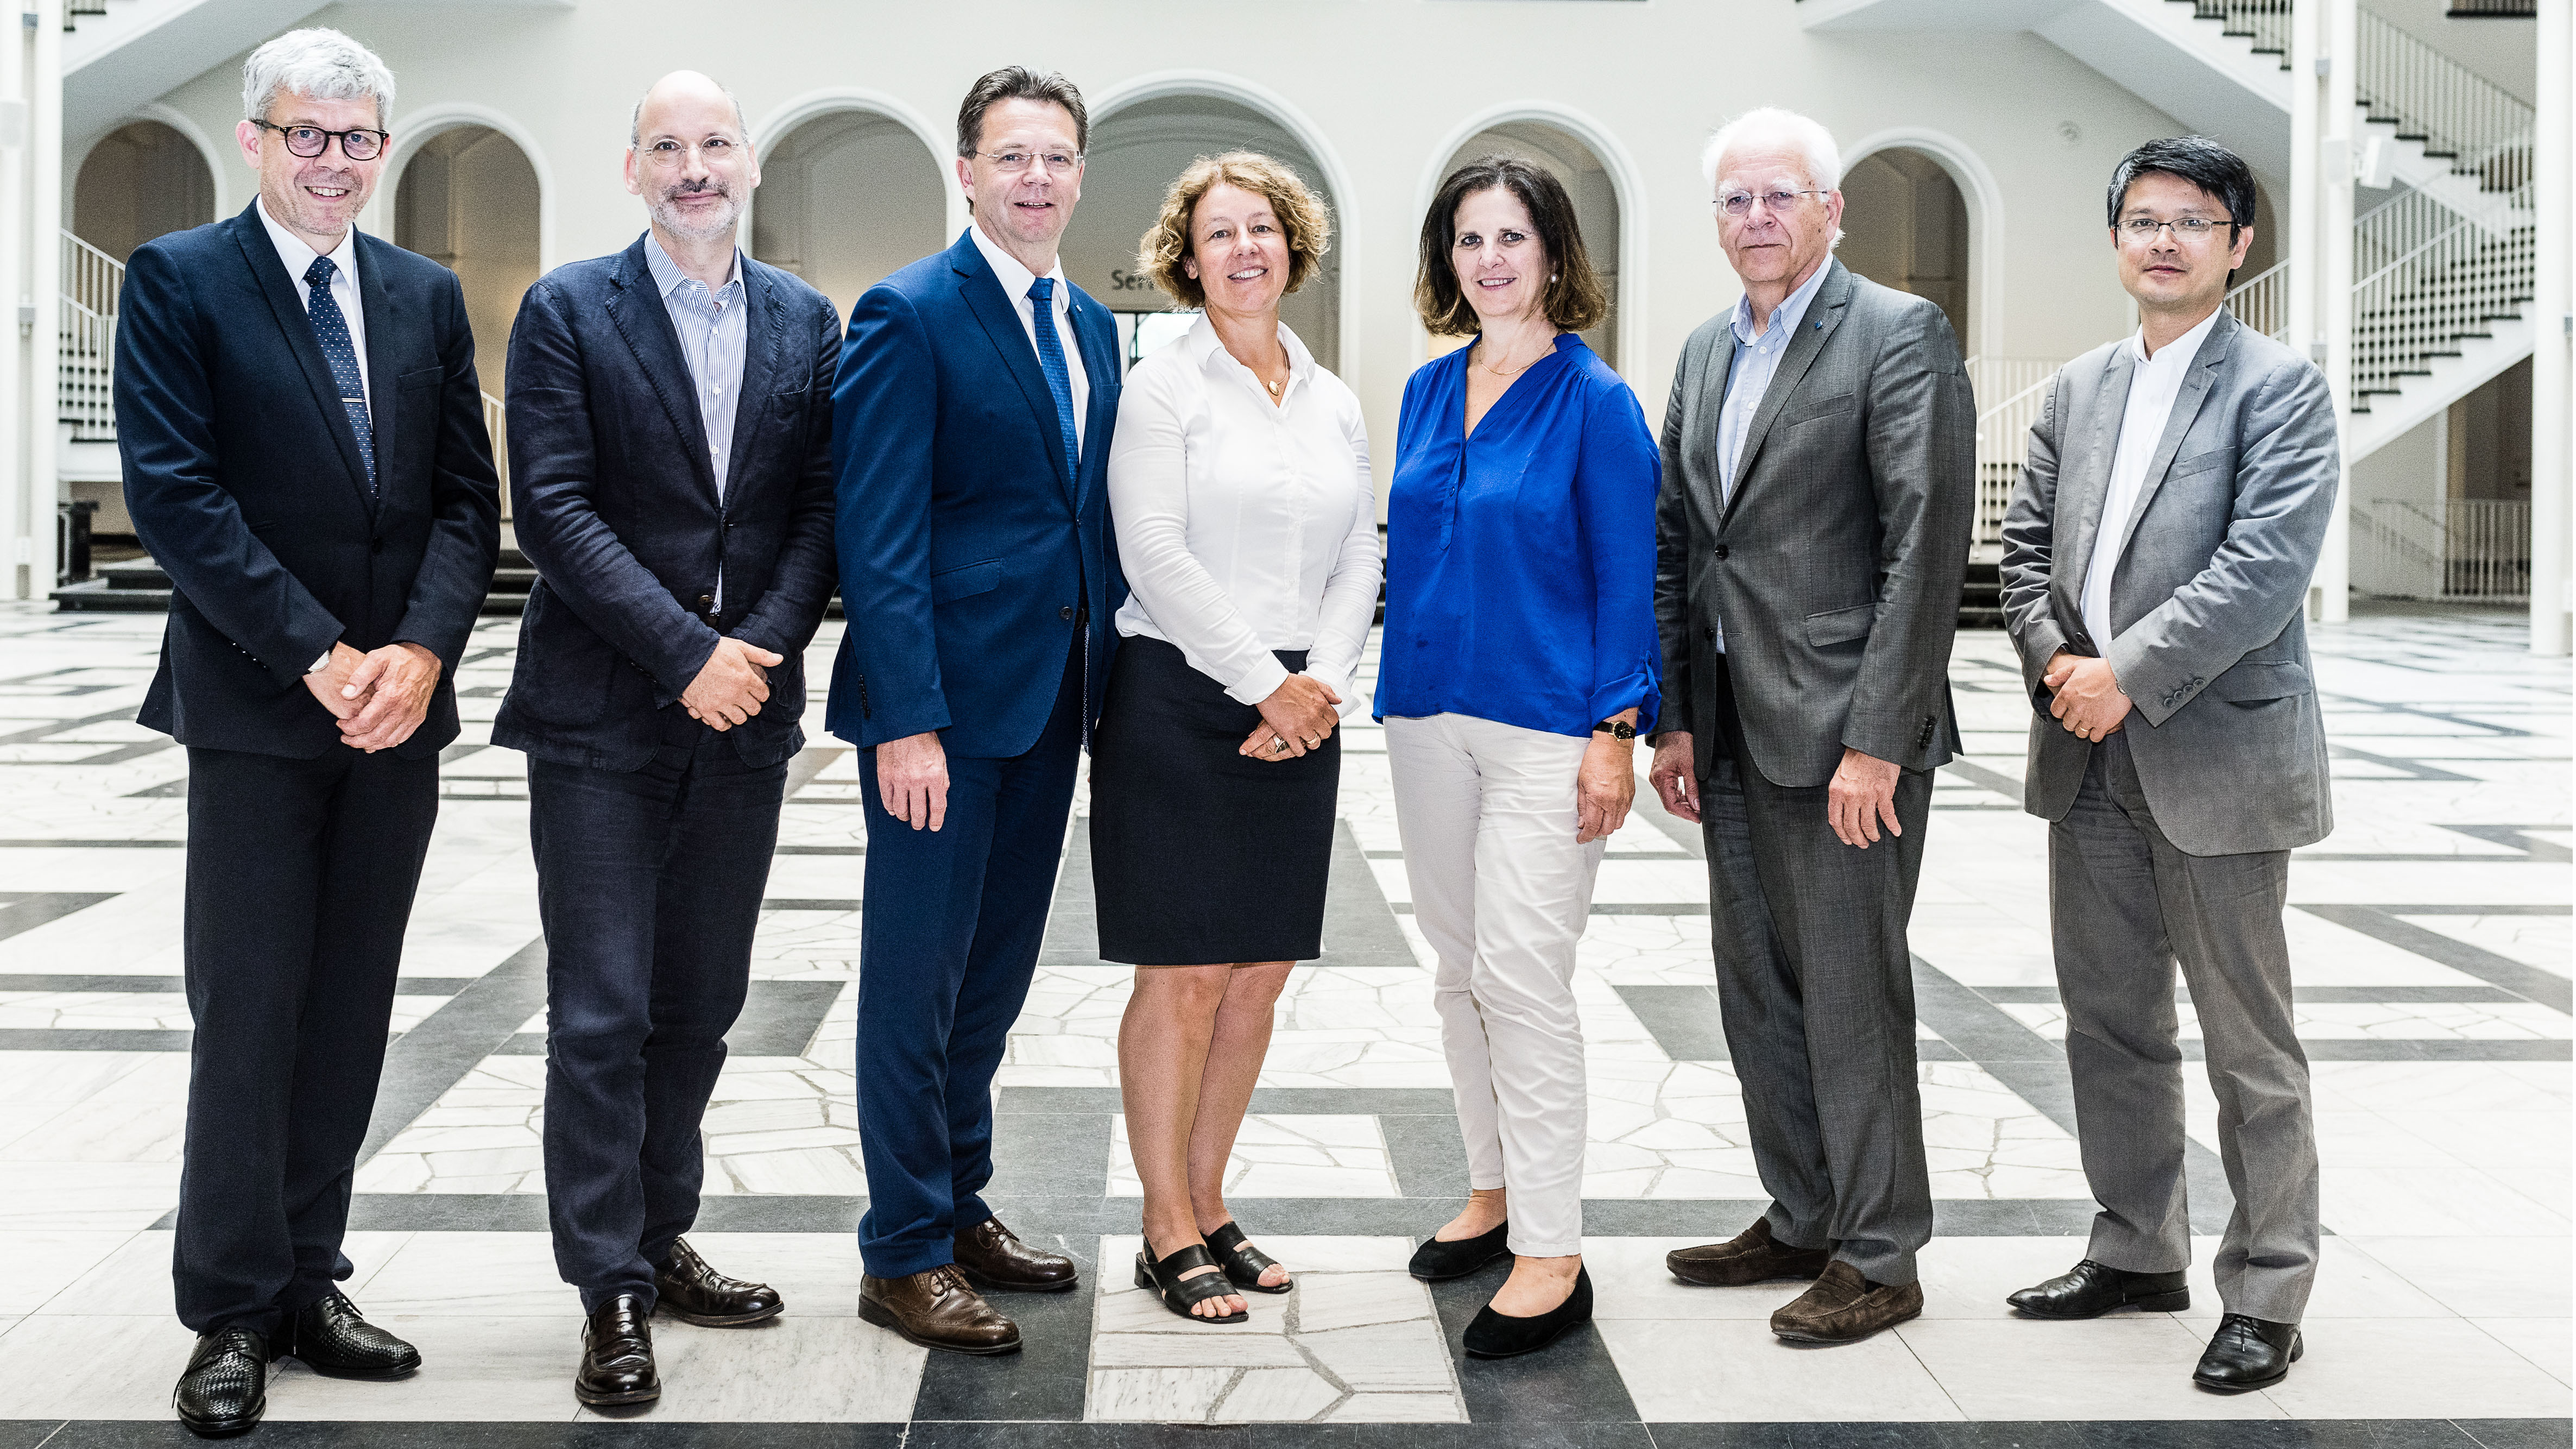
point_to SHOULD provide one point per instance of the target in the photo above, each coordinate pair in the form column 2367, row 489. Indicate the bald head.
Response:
column 682, row 102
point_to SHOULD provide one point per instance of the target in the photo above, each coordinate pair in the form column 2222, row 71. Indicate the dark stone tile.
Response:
column 1359, row 929
column 47, row 1039
column 454, row 1212
column 2517, row 1433
column 430, row 1058
column 26, row 1433
column 1572, row 1381
column 1429, row 1157
column 25, row 911
column 779, row 1018
column 1046, row 1379
column 1056, row 1156
column 2381, row 922
column 1684, row 1020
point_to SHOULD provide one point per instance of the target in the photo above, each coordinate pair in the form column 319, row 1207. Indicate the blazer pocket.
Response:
column 419, row 377
column 2255, row 681
column 966, row 581
column 1827, row 407
column 2200, row 463
column 1841, row 626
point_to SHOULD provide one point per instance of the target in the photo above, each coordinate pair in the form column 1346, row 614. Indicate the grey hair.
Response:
column 317, row 62
column 635, row 122
column 1824, row 159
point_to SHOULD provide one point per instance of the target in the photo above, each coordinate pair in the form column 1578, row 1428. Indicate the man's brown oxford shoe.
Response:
column 1751, row 1256
column 992, row 1257
column 937, row 1309
column 695, row 1293
column 1845, row 1307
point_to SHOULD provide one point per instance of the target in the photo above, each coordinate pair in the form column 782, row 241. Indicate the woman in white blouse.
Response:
column 1239, row 487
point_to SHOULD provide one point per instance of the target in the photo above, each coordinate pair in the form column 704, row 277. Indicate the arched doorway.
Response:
column 1596, row 207
column 142, row 180
column 1135, row 153
column 1905, row 225
column 845, row 198
column 468, row 199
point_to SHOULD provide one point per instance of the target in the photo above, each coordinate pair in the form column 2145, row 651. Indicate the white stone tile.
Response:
column 1285, row 1156
column 466, row 1275
column 2116, row 1367
column 791, row 1369
column 1724, row 1370
column 500, row 1368
column 1405, row 1357
column 94, row 1366
column 43, row 1264
column 1155, row 1394
column 1291, row 1394
column 2482, row 1277
column 2544, row 1341
column 88, row 1195
column 2415, row 1369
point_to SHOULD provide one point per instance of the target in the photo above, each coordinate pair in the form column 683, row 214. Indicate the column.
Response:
column 2552, row 395
column 13, row 285
column 43, row 490
column 2339, row 47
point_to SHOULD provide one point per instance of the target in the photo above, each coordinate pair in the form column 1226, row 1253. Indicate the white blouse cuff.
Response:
column 1261, row 683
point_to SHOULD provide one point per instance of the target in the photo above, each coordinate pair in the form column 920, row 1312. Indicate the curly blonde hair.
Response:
column 1302, row 215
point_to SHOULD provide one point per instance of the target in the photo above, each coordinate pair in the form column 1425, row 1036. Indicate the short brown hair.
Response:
column 1302, row 215
column 1019, row 83
column 1574, row 298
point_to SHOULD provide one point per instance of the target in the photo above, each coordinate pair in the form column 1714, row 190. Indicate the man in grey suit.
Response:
column 2189, row 471
column 1819, row 487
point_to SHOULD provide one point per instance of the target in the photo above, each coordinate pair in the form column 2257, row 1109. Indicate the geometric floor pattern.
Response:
column 2430, row 942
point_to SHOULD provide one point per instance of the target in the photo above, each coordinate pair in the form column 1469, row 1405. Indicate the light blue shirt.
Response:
column 1757, row 360
column 712, row 330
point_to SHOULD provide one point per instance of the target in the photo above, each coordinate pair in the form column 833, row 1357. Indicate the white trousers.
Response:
column 1501, row 891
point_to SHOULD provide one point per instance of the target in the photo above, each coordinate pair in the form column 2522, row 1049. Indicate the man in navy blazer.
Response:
column 304, row 455
column 670, row 463
column 970, row 433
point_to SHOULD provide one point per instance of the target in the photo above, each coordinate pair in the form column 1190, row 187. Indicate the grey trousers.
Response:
column 1816, row 984
column 2124, row 903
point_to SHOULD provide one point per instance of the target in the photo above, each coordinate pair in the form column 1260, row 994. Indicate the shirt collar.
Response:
column 298, row 257
column 1201, row 345
column 1014, row 276
column 667, row 275
column 2178, row 353
column 1785, row 317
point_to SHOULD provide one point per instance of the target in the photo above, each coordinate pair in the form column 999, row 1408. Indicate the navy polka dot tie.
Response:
column 1051, row 362
column 331, row 329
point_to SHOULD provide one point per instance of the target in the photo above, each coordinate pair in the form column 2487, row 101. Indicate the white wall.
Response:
column 1379, row 85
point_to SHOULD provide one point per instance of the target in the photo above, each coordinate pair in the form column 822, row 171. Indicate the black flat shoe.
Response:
column 1243, row 1263
column 224, row 1389
column 2091, row 1289
column 2248, row 1353
column 1162, row 1277
column 330, row 1337
column 1499, row 1335
column 1437, row 1262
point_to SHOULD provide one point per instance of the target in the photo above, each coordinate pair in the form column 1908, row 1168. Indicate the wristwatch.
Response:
column 1616, row 729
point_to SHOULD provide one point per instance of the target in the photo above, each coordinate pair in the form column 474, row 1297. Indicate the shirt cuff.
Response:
column 1261, row 683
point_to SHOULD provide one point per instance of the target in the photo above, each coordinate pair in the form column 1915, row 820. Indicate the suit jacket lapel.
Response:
column 288, row 307
column 1824, row 315
column 1001, row 318
column 760, row 364
column 2085, row 490
column 383, row 368
column 645, row 323
column 2195, row 391
column 1721, row 367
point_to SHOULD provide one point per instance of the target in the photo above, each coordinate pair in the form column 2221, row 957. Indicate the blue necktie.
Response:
column 1051, row 361
column 331, row 329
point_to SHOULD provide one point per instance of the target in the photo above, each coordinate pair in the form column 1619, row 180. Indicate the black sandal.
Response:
column 1244, row 1264
column 1163, row 1278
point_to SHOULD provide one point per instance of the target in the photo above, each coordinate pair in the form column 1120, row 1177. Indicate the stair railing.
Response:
column 2003, row 443
column 2482, row 129
column 2263, row 23
column 2427, row 279
column 84, row 381
column 2262, row 301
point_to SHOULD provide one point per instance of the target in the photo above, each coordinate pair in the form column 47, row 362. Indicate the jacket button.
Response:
column 1721, row 550
column 1065, row 613
column 706, row 603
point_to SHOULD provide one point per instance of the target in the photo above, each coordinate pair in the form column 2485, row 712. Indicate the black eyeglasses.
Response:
column 311, row 141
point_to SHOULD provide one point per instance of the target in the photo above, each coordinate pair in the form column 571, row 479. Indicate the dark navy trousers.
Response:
column 948, row 939
column 648, row 884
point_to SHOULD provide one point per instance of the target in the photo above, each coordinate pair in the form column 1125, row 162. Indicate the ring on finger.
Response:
column 1277, row 745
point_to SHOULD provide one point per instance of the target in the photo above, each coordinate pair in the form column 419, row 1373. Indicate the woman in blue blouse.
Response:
column 1519, row 663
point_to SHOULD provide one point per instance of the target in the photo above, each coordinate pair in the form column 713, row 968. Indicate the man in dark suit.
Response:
column 970, row 429
column 2155, row 558
column 1819, row 487
column 305, row 456
column 670, row 463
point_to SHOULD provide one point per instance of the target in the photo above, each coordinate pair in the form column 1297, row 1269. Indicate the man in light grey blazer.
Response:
column 2156, row 556
column 1819, row 486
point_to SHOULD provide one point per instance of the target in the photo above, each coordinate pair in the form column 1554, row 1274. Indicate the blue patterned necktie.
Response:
column 331, row 329
column 1051, row 361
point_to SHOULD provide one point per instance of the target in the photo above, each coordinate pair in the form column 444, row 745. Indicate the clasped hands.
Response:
column 1859, row 799
column 731, row 686
column 1297, row 717
column 379, row 697
column 2085, row 696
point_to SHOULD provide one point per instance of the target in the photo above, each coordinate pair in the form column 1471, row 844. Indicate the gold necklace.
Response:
column 1517, row 371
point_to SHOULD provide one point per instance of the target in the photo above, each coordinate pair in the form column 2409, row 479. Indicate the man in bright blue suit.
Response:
column 971, row 423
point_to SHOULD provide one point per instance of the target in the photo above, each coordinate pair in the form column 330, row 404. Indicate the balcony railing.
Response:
column 2482, row 129
column 85, row 384
column 2461, row 550
column 2426, row 279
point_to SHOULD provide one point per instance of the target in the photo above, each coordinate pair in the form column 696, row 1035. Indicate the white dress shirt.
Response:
column 1245, row 526
column 1015, row 279
column 2154, row 383
column 344, row 285
column 1757, row 361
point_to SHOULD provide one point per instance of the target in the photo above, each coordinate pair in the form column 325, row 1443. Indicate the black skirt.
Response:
column 1200, row 856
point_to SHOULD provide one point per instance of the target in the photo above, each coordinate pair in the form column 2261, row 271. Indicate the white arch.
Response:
column 781, row 123
column 424, row 125
column 1219, row 85
column 1967, row 171
column 1625, row 182
column 219, row 159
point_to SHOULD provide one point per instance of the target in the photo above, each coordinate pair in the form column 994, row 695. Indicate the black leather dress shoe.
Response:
column 329, row 1337
column 1499, row 1335
column 617, row 1355
column 2248, row 1353
column 2090, row 1289
column 695, row 1293
column 224, row 1389
column 1436, row 1261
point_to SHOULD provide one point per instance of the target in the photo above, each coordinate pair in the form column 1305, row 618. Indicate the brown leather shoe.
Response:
column 695, row 1293
column 617, row 1355
column 1751, row 1256
column 937, row 1309
column 992, row 1257
column 1845, row 1307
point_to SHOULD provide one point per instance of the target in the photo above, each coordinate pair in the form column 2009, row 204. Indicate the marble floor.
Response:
column 2431, row 950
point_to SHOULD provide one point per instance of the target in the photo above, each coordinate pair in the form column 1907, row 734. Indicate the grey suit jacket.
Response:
column 1834, row 565
column 2208, row 642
